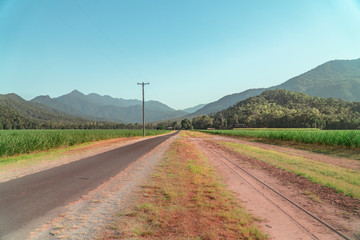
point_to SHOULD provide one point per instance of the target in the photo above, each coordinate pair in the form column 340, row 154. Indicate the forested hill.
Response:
column 287, row 109
column 16, row 113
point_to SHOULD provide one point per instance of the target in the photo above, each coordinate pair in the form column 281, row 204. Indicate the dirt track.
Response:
column 261, row 202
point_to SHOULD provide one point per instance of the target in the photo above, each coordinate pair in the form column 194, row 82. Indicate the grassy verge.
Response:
column 25, row 160
column 336, row 151
column 36, row 156
column 345, row 138
column 342, row 179
column 14, row 142
column 184, row 200
column 340, row 143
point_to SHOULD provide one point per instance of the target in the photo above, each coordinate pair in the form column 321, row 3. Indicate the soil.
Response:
column 338, row 210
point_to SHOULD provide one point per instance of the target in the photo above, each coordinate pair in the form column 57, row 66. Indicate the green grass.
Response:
column 342, row 138
column 29, row 159
column 14, row 142
column 341, row 179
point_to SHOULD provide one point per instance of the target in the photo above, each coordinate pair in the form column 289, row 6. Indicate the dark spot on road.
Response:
column 83, row 178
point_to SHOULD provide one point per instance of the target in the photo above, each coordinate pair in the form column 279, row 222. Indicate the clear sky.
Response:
column 191, row 51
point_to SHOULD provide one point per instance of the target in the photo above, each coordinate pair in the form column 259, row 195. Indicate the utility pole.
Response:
column 143, row 108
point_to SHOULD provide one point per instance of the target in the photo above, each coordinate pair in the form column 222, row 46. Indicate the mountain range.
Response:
column 105, row 108
column 17, row 113
column 337, row 79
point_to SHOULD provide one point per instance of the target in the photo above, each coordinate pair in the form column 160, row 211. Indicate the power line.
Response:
column 105, row 35
column 79, row 34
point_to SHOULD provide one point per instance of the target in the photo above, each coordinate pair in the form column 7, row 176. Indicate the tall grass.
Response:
column 14, row 142
column 344, row 138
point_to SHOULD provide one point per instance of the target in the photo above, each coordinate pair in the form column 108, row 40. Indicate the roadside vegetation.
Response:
column 14, row 142
column 341, row 179
column 341, row 138
column 184, row 200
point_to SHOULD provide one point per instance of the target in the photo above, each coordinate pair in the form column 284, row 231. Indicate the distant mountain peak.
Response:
column 76, row 92
column 41, row 98
column 44, row 97
column 13, row 96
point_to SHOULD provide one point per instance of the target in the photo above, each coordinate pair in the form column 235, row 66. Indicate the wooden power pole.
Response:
column 143, row 106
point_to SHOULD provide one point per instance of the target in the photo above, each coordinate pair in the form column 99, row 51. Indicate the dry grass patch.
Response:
column 184, row 200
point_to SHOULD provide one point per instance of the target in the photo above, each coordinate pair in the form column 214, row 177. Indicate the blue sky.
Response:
column 191, row 51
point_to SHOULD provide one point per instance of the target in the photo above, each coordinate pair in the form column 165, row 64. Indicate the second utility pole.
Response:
column 143, row 107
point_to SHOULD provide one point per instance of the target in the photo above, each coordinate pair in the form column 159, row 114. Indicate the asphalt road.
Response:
column 27, row 198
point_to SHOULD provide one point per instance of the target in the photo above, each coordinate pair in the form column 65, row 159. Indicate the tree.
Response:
column 160, row 126
column 186, row 124
column 175, row 125
column 202, row 122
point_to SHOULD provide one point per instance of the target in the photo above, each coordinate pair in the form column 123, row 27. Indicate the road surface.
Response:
column 25, row 199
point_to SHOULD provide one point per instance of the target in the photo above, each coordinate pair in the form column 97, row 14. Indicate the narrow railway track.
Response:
column 234, row 167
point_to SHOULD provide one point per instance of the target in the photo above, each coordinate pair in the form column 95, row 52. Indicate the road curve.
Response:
column 27, row 198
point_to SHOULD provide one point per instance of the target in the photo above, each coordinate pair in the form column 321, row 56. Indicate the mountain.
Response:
column 18, row 113
column 107, row 100
column 288, row 109
column 10, row 119
column 55, row 104
column 337, row 79
column 226, row 102
column 30, row 109
column 97, row 107
column 193, row 109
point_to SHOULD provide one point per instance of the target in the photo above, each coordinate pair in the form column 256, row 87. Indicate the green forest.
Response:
column 284, row 109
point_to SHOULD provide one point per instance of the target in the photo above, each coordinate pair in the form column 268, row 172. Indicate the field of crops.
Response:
column 343, row 138
column 26, row 141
